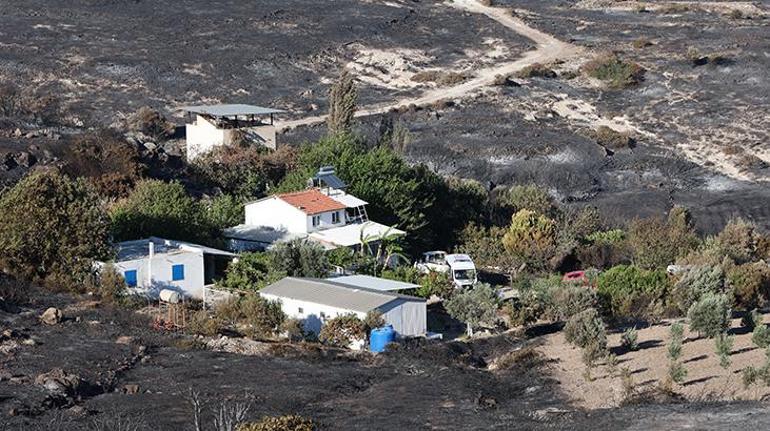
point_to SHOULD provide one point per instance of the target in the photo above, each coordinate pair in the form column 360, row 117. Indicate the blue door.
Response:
column 130, row 277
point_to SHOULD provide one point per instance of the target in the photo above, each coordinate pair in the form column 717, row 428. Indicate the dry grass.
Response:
column 614, row 71
column 647, row 367
column 536, row 70
column 612, row 139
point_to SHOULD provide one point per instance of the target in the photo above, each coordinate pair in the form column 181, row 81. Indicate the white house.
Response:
column 314, row 301
column 152, row 264
column 217, row 125
column 322, row 213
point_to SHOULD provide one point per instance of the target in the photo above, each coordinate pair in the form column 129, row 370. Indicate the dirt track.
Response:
column 548, row 49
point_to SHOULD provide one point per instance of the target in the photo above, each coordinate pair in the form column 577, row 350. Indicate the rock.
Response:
column 77, row 411
column 51, row 316
column 131, row 389
column 59, row 382
column 150, row 146
column 17, row 133
column 29, row 342
column 125, row 339
column 146, row 359
column 25, row 159
column 31, row 135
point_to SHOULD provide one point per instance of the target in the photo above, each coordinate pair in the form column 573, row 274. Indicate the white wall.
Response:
column 191, row 286
column 326, row 221
column 202, row 136
column 311, row 312
column 276, row 213
column 409, row 318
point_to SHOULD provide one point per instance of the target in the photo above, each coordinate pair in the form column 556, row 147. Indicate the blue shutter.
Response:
column 177, row 272
column 130, row 277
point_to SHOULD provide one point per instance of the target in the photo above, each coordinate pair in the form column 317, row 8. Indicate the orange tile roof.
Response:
column 311, row 201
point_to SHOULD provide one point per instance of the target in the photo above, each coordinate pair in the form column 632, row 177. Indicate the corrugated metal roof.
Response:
column 332, row 294
column 374, row 283
column 230, row 110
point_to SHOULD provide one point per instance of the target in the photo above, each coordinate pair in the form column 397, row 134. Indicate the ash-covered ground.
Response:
column 112, row 367
column 700, row 129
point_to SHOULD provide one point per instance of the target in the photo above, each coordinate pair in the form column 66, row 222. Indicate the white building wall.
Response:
column 277, row 214
column 310, row 312
column 409, row 318
column 160, row 265
column 326, row 221
column 202, row 136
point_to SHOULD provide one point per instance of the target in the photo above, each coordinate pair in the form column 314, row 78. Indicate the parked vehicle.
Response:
column 459, row 267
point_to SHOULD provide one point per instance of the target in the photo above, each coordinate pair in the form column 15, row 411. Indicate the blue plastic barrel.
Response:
column 380, row 337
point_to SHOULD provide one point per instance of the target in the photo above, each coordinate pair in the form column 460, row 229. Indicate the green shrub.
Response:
column 251, row 272
column 695, row 283
column 279, row 423
column 373, row 319
column 299, row 258
column 486, row 247
column 761, row 336
column 710, row 315
column 13, row 292
column 586, row 330
column 343, row 97
column 157, row 208
column 151, row 123
column 435, row 283
column 677, row 372
column 629, row 339
column 527, row 197
column 263, row 317
column 657, row 242
column 751, row 320
column 531, row 239
column 571, row 300
column 614, row 71
column 474, row 307
column 536, row 70
column 723, row 345
column 612, row 139
column 749, row 284
column 200, row 323
column 629, row 292
column 52, row 226
column 739, row 241
column 111, row 285
column 342, row 330
column 674, row 350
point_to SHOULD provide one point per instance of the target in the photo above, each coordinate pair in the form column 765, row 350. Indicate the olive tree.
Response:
column 474, row 307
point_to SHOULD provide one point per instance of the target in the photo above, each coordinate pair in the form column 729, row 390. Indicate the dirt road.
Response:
column 548, row 49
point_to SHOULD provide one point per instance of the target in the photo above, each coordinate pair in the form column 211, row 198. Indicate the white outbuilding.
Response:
column 154, row 264
column 314, row 301
column 218, row 125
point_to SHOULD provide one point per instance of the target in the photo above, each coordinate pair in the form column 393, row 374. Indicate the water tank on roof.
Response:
column 380, row 337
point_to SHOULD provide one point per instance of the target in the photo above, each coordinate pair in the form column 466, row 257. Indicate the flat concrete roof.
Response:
column 140, row 248
column 230, row 110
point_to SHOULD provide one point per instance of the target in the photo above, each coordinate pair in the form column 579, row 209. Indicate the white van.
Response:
column 459, row 267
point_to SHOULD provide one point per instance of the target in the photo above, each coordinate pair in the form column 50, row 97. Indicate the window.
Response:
column 336, row 217
column 130, row 277
column 316, row 220
column 177, row 272
column 300, row 310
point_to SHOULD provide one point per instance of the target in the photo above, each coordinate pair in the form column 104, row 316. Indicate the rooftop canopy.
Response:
column 230, row 110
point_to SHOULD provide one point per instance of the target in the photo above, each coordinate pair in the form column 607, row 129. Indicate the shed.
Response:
column 316, row 300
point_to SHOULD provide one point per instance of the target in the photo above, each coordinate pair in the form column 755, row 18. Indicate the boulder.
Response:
column 131, row 389
column 59, row 382
column 25, row 159
column 51, row 316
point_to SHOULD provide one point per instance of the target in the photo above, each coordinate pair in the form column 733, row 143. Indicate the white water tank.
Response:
column 170, row 296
